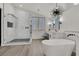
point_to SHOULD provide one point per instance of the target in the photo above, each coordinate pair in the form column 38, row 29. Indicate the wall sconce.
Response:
column 61, row 19
column 50, row 23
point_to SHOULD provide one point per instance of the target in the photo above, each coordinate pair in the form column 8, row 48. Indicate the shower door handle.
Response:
column 26, row 27
column 30, row 29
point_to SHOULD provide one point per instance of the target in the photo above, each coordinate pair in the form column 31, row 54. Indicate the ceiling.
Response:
column 42, row 8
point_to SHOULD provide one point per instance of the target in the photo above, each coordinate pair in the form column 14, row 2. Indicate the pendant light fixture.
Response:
column 58, row 10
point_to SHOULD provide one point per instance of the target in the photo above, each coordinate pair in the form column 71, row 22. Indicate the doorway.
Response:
column 0, row 26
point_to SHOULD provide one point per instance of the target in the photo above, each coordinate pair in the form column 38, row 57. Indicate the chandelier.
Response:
column 57, row 11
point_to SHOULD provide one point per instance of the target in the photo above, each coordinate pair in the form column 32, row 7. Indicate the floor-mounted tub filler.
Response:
column 58, row 47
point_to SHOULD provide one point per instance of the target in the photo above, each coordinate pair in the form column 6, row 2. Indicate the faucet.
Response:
column 70, row 35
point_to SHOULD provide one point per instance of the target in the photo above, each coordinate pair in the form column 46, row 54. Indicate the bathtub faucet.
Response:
column 70, row 35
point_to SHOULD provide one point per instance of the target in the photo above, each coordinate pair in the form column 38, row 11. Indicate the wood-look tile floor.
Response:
column 34, row 49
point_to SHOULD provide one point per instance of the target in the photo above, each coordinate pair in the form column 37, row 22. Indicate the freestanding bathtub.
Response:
column 58, row 47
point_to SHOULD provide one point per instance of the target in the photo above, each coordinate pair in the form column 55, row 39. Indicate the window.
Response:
column 38, row 23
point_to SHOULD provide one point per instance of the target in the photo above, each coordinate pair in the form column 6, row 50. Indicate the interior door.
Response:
column 0, row 24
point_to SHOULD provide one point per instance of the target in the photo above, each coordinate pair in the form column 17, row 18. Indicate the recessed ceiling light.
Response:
column 20, row 5
column 75, row 3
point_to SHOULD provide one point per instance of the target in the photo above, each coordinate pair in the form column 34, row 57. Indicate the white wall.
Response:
column 1, row 5
column 71, row 23
column 8, row 8
column 9, row 33
column 71, row 20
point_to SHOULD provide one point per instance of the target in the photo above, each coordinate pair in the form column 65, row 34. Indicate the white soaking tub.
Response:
column 58, row 47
